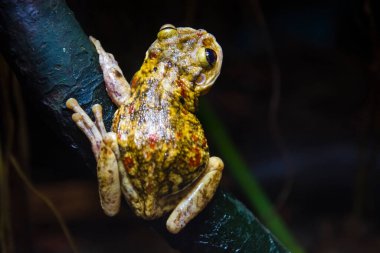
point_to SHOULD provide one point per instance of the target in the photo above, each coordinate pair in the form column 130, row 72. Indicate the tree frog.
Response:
column 156, row 153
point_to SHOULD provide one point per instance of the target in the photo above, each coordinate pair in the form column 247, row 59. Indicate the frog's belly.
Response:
column 162, row 156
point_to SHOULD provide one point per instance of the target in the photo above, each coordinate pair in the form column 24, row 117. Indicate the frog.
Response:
column 156, row 154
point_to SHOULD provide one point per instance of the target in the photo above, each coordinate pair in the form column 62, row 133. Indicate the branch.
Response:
column 54, row 60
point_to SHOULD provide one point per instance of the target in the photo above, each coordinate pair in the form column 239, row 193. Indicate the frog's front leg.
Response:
column 197, row 198
column 117, row 86
column 106, row 151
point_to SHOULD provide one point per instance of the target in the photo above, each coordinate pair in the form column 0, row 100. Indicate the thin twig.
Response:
column 274, row 104
column 6, row 233
column 47, row 202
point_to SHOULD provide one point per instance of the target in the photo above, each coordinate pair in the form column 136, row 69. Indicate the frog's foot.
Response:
column 106, row 151
column 107, row 154
column 116, row 85
column 88, row 127
column 197, row 198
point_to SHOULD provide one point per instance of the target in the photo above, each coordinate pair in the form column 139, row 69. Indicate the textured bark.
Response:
column 54, row 60
column 225, row 225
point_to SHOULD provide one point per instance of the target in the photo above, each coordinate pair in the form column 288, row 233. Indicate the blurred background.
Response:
column 298, row 95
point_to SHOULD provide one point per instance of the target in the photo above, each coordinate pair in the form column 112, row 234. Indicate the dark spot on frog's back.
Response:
column 182, row 86
column 152, row 54
column 131, row 108
column 134, row 81
column 152, row 140
column 168, row 65
column 128, row 164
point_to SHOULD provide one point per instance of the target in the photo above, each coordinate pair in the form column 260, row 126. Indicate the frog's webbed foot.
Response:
column 117, row 86
column 106, row 151
column 197, row 198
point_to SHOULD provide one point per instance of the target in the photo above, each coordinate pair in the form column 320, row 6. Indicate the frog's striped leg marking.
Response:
column 197, row 198
column 117, row 86
column 106, row 151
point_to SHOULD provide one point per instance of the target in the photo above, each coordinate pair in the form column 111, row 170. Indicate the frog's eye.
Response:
column 207, row 57
column 167, row 31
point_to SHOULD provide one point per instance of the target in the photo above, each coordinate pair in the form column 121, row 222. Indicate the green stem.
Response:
column 46, row 201
column 242, row 174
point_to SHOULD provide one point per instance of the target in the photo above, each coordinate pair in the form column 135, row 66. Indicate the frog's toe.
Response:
column 71, row 103
column 77, row 117
column 96, row 107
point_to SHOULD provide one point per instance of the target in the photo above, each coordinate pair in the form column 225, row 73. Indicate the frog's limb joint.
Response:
column 117, row 86
column 196, row 200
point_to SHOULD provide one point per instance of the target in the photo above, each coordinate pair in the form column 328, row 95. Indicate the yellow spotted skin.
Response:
column 164, row 151
column 156, row 143
column 162, row 143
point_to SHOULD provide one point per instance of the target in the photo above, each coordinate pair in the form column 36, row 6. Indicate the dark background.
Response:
column 325, row 150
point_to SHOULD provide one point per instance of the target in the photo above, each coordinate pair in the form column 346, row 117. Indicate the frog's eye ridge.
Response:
column 167, row 31
column 167, row 26
column 207, row 57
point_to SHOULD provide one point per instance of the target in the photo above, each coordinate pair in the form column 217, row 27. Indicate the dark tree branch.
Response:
column 54, row 60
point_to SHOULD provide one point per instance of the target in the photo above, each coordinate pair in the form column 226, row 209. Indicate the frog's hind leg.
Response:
column 117, row 86
column 197, row 197
column 108, row 175
column 106, row 151
column 111, row 172
column 131, row 195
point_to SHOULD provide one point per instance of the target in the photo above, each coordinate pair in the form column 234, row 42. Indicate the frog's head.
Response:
column 195, row 55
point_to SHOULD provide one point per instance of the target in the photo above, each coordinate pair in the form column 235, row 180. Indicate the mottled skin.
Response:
column 156, row 153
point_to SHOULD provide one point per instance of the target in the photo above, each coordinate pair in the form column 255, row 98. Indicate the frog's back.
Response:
column 163, row 148
column 162, row 144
